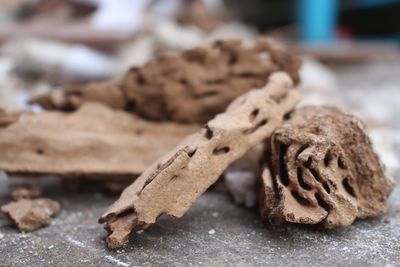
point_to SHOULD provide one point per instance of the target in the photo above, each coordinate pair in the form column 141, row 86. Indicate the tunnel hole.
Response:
column 315, row 174
column 341, row 163
column 221, row 151
column 253, row 129
column 349, row 189
column 283, row 175
column 301, row 200
column 327, row 158
column 321, row 202
column 300, row 178
column 254, row 114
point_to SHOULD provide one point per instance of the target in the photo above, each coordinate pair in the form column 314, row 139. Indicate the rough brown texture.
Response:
column 195, row 13
column 28, row 213
column 94, row 141
column 205, row 79
column 173, row 183
column 322, row 169
column 31, row 214
column 108, row 93
column 25, row 193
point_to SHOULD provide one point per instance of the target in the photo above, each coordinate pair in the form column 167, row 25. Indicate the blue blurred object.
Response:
column 373, row 3
column 317, row 20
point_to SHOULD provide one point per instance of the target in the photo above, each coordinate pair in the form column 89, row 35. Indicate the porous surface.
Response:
column 322, row 169
column 94, row 141
column 31, row 214
column 240, row 238
column 173, row 183
column 188, row 87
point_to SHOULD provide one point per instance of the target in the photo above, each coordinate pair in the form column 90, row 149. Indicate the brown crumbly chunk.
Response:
column 31, row 214
column 108, row 93
column 173, row 183
column 25, row 193
column 94, row 141
column 196, row 13
column 322, row 169
column 188, row 87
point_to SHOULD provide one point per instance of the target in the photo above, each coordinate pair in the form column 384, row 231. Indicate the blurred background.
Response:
column 350, row 49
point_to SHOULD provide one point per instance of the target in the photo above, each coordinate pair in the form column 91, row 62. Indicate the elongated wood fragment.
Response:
column 95, row 142
column 172, row 184
column 189, row 87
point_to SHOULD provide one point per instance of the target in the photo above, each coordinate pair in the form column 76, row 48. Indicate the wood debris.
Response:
column 206, row 80
column 94, row 142
column 172, row 184
column 322, row 169
column 28, row 213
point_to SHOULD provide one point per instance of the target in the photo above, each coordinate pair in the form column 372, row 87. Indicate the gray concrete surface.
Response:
column 215, row 231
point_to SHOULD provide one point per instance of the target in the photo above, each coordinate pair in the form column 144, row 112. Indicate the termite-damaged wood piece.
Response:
column 206, row 79
column 172, row 184
column 323, row 169
column 28, row 213
column 94, row 142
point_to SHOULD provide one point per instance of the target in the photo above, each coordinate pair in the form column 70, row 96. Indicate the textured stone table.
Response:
column 215, row 231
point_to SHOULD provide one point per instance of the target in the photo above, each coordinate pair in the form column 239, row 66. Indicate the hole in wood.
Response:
column 327, row 158
column 315, row 174
column 349, row 189
column 327, row 188
column 302, row 148
column 283, row 175
column 209, row 134
column 253, row 129
column 321, row 202
column 341, row 163
column 221, row 151
column 287, row 116
column 191, row 153
column 254, row 114
column 308, row 162
column 301, row 200
column 300, row 178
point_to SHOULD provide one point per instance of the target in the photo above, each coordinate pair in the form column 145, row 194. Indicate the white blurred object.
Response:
column 134, row 54
column 383, row 139
column 318, row 83
column 166, row 9
column 242, row 186
column 215, row 5
column 8, row 96
column 233, row 30
column 121, row 15
column 86, row 63
column 177, row 37
column 34, row 53
column 50, row 57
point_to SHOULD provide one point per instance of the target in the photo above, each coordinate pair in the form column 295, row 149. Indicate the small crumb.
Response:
column 140, row 232
column 211, row 232
column 50, row 247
